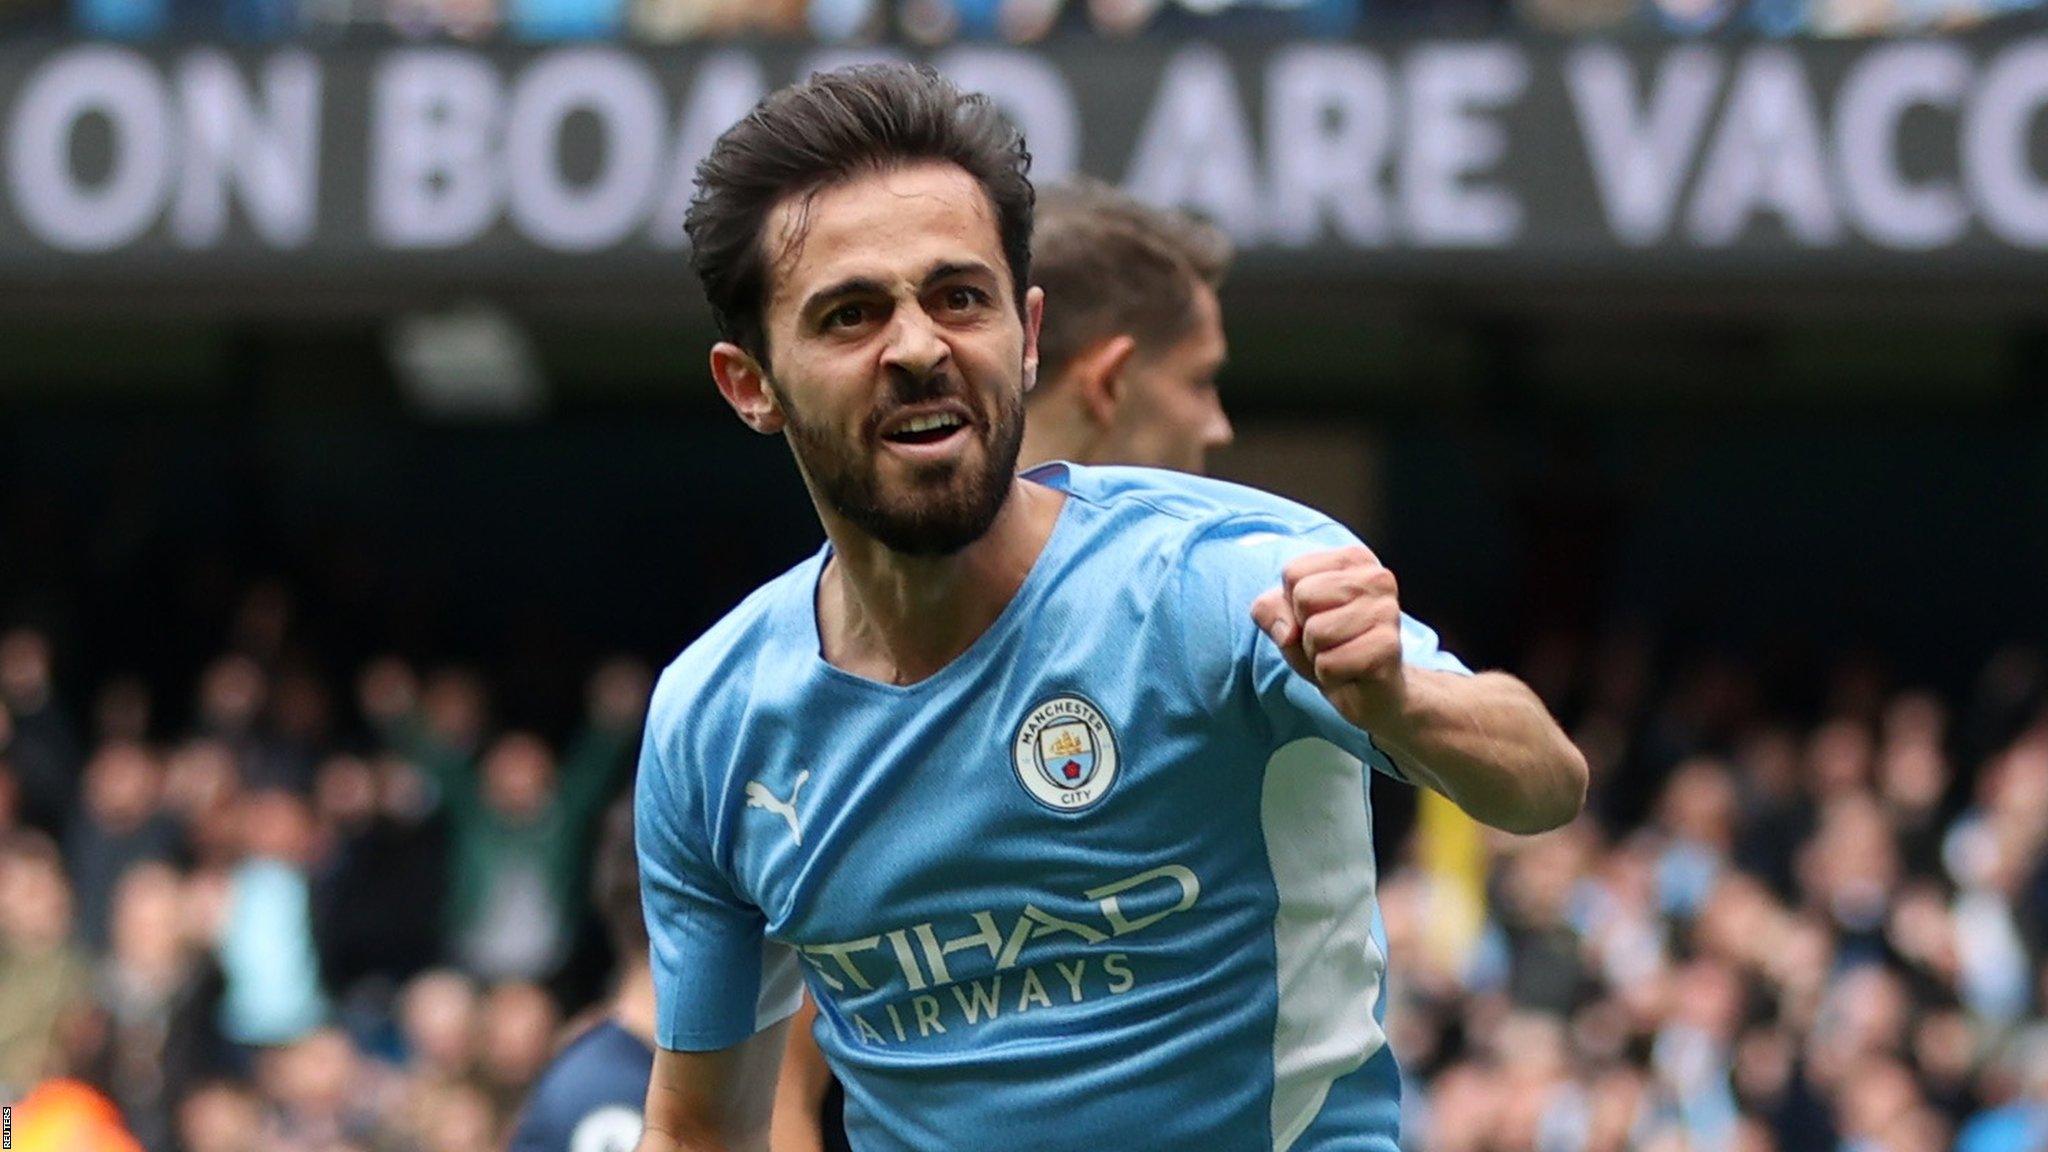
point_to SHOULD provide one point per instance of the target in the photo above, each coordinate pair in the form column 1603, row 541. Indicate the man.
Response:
column 1052, row 784
column 1133, row 334
column 1128, row 358
column 590, row 1097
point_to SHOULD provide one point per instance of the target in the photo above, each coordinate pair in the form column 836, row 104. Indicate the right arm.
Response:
column 718, row 1101
column 800, row 1093
column 723, row 994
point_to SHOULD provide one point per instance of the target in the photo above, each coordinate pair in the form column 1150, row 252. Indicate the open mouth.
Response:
column 931, row 429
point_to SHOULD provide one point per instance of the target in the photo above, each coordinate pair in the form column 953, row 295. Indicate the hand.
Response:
column 1336, row 617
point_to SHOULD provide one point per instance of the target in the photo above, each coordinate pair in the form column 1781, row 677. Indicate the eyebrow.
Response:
column 951, row 268
column 851, row 286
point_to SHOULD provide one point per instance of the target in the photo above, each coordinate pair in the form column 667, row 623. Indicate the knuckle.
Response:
column 1325, row 631
column 1387, row 653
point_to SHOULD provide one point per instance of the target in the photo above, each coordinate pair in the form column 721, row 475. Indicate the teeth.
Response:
column 927, row 423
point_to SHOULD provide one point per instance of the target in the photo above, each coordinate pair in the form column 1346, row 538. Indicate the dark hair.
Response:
column 1112, row 265
column 615, row 884
column 836, row 125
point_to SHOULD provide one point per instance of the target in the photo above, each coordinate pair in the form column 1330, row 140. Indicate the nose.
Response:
column 1217, row 433
column 914, row 347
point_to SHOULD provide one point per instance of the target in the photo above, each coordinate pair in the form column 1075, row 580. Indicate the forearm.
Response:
column 798, row 1127
column 717, row 1101
column 1488, row 744
column 654, row 1140
column 799, row 1124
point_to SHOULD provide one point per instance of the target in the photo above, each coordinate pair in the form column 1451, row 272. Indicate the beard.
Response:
column 945, row 506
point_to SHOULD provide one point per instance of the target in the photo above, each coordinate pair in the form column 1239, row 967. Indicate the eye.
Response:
column 964, row 298
column 847, row 316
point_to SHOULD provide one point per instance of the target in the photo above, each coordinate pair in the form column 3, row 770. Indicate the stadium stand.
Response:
column 1774, row 929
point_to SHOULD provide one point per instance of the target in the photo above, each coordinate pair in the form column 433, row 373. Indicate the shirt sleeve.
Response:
column 1237, row 561
column 717, row 979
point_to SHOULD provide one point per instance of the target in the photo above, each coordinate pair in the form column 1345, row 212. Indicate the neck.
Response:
column 898, row 618
column 633, row 1004
column 1055, row 430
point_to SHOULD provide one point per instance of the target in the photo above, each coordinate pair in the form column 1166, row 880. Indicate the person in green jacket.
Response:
column 520, row 822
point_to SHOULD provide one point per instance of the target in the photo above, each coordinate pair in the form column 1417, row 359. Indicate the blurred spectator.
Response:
column 1775, row 932
column 1547, row 971
column 322, row 1094
column 296, row 733
column 461, row 1120
column 1697, row 817
column 937, row 22
column 202, row 793
column 2017, row 1119
column 518, row 1036
column 1775, row 813
column 377, row 877
column 157, row 994
column 221, row 1116
column 43, row 750
column 44, row 981
column 274, row 994
column 520, row 828
column 119, row 825
column 438, row 1016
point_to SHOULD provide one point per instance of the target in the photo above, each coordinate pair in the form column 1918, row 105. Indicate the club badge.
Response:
column 1064, row 754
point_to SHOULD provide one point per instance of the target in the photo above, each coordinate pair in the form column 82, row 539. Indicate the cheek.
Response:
column 1192, row 408
column 821, row 391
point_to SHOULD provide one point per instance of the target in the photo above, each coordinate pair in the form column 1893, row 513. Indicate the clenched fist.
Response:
column 1336, row 617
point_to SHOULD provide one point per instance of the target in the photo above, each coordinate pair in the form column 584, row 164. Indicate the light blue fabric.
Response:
column 2013, row 1128
column 565, row 19
column 1686, row 873
column 266, row 952
column 987, row 962
column 121, row 19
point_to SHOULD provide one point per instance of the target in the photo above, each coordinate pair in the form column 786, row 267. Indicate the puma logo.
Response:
column 758, row 796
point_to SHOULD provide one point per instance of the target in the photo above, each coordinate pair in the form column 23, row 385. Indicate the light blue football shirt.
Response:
column 1103, row 882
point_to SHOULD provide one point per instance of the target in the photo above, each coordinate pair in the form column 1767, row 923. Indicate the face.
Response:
column 148, row 911
column 35, row 902
column 899, row 356
column 519, row 777
column 518, row 1027
column 439, row 1016
column 1169, row 415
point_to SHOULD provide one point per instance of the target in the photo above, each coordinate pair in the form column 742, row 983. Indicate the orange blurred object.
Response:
column 66, row 1116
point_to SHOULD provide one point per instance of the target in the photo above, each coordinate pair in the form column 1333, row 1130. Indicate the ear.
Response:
column 1034, row 314
column 744, row 384
column 1097, row 375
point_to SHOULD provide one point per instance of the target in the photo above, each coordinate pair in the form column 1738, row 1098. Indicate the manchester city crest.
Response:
column 1065, row 754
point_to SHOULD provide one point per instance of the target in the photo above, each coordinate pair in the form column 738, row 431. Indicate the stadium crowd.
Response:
column 936, row 22
column 326, row 916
